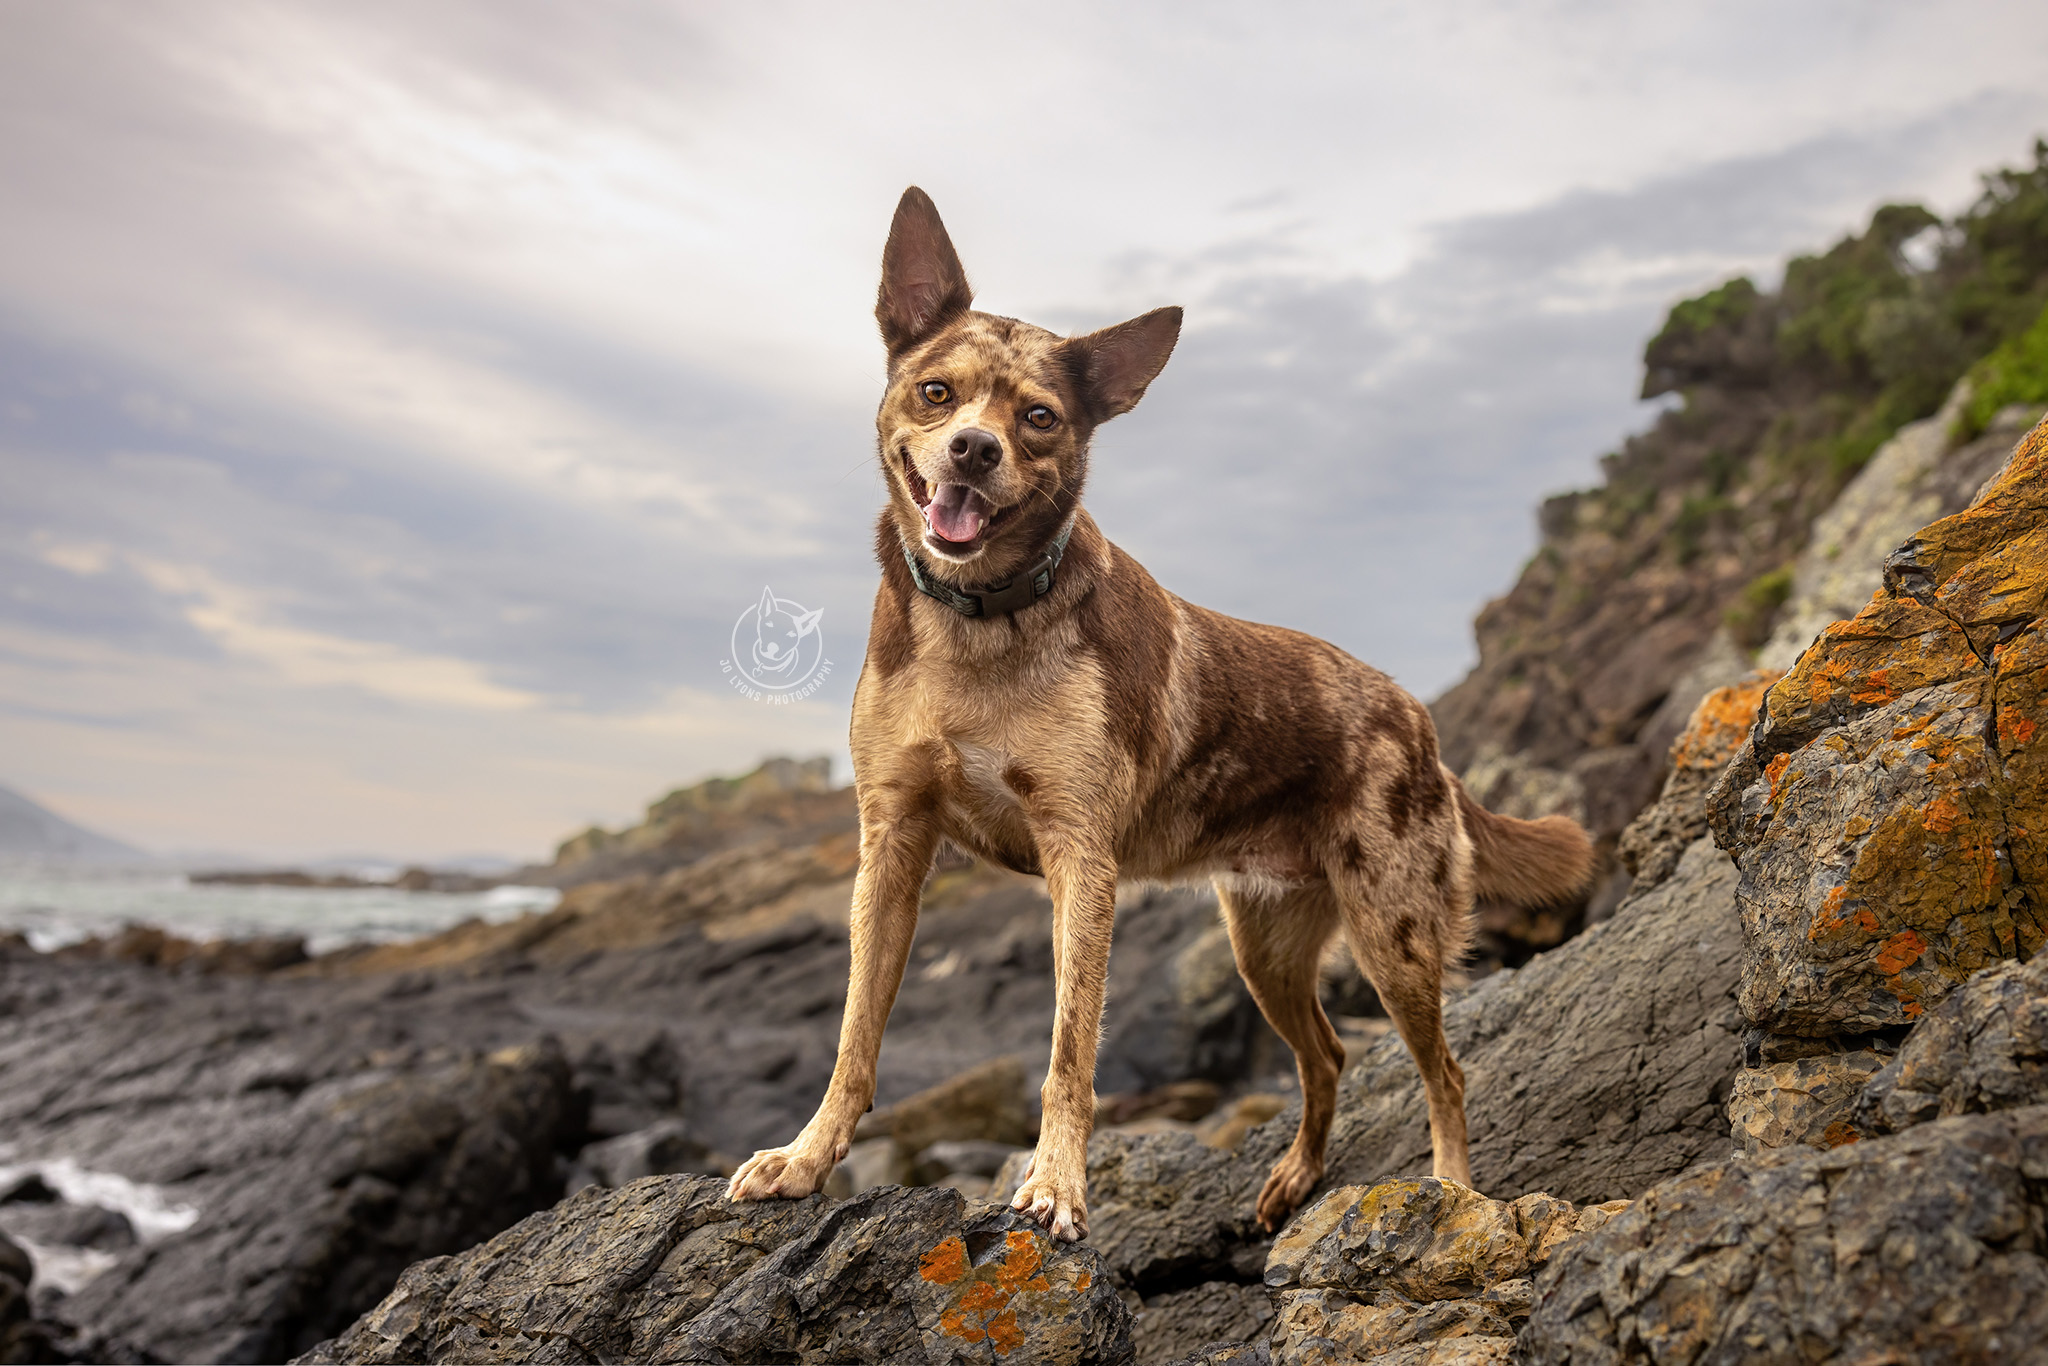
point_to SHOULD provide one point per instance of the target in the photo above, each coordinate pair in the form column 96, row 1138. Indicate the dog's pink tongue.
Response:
column 957, row 512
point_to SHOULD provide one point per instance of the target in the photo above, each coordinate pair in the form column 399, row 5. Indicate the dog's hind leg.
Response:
column 1402, row 938
column 1278, row 941
column 895, row 853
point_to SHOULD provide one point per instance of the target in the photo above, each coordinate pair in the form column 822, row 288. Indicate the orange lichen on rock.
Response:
column 944, row 1264
column 1892, row 647
column 1775, row 770
column 1721, row 722
column 1900, row 952
column 1942, row 815
column 985, row 1304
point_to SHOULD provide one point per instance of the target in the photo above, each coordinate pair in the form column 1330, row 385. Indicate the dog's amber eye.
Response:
column 1040, row 417
column 935, row 392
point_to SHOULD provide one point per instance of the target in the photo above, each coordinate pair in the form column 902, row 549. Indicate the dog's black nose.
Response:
column 974, row 449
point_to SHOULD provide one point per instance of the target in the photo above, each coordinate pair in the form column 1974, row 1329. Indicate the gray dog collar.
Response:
column 1012, row 595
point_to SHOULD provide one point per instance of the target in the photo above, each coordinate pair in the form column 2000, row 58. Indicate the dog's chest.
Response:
column 984, row 785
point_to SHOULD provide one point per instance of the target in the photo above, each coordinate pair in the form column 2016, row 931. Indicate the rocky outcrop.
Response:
column 1919, row 476
column 345, row 1188
column 1883, row 810
column 1925, row 1247
column 1414, row 1272
column 782, row 801
column 1985, row 1048
column 668, row 1270
column 1654, row 841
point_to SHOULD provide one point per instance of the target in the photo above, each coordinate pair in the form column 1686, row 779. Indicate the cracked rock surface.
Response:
column 667, row 1270
column 1924, row 1247
column 1889, row 812
column 1985, row 1048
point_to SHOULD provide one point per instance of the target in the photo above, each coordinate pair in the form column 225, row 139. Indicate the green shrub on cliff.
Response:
column 2017, row 372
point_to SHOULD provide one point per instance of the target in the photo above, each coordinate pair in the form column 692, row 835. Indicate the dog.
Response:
column 1031, row 694
column 777, row 633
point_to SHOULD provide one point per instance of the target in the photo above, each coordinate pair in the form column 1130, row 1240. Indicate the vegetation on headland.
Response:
column 1778, row 397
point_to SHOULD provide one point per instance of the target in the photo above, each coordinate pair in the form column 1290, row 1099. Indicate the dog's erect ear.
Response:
column 767, row 605
column 1117, row 363
column 922, row 282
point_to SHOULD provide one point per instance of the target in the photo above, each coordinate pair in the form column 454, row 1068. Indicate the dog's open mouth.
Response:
column 954, row 513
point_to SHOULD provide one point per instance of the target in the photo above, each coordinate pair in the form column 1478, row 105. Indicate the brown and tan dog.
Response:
column 1033, row 695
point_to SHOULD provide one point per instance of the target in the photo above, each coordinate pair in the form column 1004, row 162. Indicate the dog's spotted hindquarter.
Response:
column 1109, row 731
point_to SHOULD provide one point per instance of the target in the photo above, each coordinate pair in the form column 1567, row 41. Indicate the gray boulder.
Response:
column 668, row 1270
column 1927, row 1246
column 350, row 1185
column 1984, row 1048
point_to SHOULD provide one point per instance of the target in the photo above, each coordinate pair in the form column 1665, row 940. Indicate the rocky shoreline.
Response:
column 1788, row 1097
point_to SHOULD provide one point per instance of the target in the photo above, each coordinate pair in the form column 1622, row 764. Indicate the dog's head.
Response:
column 985, row 425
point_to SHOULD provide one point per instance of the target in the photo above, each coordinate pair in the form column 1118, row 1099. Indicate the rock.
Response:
column 1178, row 1011
column 1985, row 1048
column 1178, row 1324
column 1601, row 1067
column 1653, row 842
column 633, row 1083
column 1923, row 1246
column 1227, row 1131
column 986, row 1102
column 1183, row 1100
column 1414, row 1271
column 662, row 1149
column 668, row 1270
column 876, row 1162
column 15, row 1264
column 970, row 1157
column 68, row 1225
column 1806, row 1100
column 1884, row 811
column 1919, row 476
column 1229, row 1354
column 23, row 1338
column 347, row 1187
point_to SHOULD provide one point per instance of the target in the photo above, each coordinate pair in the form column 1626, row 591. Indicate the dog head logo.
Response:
column 776, row 642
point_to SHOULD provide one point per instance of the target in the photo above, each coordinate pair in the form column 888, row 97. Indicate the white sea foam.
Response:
column 152, row 1213
column 66, row 1268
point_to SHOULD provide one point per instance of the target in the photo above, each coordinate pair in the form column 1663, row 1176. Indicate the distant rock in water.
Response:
column 32, row 832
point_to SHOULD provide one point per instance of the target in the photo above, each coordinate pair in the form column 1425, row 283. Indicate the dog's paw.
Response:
column 1057, row 1202
column 1292, row 1178
column 788, row 1173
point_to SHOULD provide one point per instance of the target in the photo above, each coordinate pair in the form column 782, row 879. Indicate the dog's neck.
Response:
column 1013, row 594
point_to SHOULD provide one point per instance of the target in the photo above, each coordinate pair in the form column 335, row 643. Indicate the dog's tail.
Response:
column 1529, row 863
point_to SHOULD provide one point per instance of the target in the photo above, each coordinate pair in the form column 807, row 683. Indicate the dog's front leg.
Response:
column 1082, row 881
column 895, row 854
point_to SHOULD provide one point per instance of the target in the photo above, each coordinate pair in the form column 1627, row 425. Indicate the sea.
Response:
column 55, row 906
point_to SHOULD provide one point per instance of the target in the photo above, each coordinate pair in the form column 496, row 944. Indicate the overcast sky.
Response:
column 400, row 401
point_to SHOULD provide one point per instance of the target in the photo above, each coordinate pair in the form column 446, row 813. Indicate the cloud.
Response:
column 398, row 405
